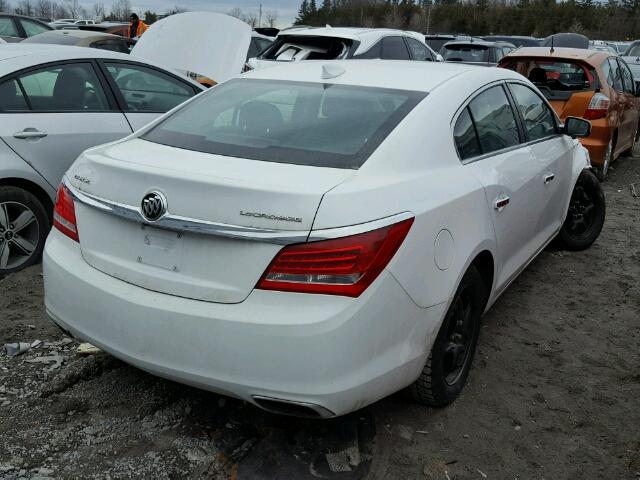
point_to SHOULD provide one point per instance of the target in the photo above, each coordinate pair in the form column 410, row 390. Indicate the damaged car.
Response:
column 318, row 235
column 340, row 43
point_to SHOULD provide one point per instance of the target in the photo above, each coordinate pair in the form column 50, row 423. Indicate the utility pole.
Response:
column 260, row 17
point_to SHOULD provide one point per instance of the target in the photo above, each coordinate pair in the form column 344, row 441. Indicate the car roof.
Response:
column 16, row 56
column 366, row 36
column 57, row 52
column 388, row 74
column 79, row 34
column 560, row 53
column 482, row 43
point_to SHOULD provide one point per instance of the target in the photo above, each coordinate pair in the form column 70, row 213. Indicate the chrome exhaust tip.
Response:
column 292, row 408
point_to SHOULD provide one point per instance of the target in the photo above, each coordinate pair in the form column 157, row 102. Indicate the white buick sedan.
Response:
column 314, row 237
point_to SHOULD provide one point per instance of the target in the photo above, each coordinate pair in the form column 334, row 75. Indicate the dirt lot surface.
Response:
column 554, row 392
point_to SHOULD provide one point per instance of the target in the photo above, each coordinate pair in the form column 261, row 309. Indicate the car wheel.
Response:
column 449, row 362
column 601, row 172
column 24, row 225
column 586, row 214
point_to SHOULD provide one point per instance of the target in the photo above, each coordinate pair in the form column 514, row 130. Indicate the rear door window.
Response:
column 616, row 75
column 297, row 123
column 64, row 88
column 147, row 90
column 32, row 28
column 464, row 134
column 418, row 51
column 374, row 52
column 627, row 79
column 494, row 120
column 11, row 98
column 539, row 120
column 8, row 28
column 394, row 48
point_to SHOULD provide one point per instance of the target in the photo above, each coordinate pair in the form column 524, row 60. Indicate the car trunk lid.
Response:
column 211, row 201
column 202, row 43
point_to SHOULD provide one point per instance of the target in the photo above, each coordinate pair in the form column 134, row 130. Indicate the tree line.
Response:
column 119, row 11
column 613, row 20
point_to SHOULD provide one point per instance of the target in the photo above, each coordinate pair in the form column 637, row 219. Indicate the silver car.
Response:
column 55, row 102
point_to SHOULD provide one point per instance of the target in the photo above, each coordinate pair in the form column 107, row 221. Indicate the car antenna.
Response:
column 552, row 49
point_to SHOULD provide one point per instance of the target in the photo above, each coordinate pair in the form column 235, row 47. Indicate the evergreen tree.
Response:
column 303, row 12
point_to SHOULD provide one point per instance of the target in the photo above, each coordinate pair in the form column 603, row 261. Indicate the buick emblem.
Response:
column 154, row 206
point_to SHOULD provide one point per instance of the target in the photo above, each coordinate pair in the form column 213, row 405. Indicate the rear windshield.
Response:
column 465, row 53
column 288, row 48
column 557, row 80
column 288, row 122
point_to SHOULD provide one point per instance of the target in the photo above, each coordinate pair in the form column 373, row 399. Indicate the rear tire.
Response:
column 24, row 225
column 587, row 210
column 448, row 365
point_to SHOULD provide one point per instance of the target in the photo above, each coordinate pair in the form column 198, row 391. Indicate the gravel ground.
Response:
column 554, row 392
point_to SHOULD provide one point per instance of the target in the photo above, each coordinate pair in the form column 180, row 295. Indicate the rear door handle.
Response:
column 29, row 133
column 548, row 178
column 501, row 202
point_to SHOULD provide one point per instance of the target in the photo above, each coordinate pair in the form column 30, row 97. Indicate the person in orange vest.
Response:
column 137, row 27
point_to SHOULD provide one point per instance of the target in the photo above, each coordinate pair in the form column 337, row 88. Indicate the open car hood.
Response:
column 206, row 43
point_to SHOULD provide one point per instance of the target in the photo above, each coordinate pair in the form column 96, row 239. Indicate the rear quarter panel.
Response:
column 13, row 166
column 417, row 170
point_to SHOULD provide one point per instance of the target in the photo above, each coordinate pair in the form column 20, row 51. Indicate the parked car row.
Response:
column 216, row 219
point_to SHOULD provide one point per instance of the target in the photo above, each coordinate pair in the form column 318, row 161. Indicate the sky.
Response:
column 287, row 9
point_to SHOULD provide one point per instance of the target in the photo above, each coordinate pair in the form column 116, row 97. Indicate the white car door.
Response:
column 145, row 93
column 50, row 115
column 489, row 142
column 554, row 154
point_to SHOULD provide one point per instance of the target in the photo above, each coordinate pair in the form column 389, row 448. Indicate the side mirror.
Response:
column 439, row 58
column 577, row 127
column 252, row 63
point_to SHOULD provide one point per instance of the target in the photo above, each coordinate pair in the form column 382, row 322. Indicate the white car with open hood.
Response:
column 313, row 237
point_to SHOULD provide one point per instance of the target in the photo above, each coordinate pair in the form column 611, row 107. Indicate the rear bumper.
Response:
column 334, row 352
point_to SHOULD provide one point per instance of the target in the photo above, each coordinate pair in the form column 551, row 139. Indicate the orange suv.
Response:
column 594, row 85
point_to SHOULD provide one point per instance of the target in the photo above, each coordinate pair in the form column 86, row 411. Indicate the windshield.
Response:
column 288, row 122
column 465, row 53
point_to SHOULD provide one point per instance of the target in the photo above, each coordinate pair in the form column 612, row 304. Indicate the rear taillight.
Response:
column 341, row 266
column 64, row 214
column 598, row 107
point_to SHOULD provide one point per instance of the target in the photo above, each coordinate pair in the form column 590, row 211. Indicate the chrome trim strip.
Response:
column 204, row 227
column 186, row 224
column 330, row 233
